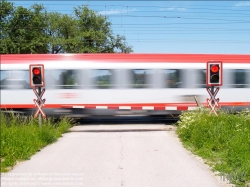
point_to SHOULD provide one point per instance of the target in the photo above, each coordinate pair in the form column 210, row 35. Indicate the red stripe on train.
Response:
column 138, row 106
column 181, row 58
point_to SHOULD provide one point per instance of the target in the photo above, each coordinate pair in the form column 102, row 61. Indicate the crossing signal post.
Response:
column 213, row 78
column 36, row 72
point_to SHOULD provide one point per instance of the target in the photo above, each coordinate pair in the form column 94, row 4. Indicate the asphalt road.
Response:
column 114, row 156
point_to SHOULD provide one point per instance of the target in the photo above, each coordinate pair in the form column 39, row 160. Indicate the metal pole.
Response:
column 197, row 101
column 212, row 91
column 40, row 115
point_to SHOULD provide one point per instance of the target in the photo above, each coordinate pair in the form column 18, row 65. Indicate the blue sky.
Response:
column 221, row 27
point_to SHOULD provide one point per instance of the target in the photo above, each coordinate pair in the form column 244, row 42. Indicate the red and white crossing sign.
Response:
column 213, row 103
column 39, row 102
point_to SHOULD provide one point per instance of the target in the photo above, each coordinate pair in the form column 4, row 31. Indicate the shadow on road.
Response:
column 128, row 120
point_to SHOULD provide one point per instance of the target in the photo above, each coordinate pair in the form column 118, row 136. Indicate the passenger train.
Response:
column 122, row 84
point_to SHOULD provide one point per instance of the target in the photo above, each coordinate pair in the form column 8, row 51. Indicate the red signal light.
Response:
column 36, row 71
column 215, row 68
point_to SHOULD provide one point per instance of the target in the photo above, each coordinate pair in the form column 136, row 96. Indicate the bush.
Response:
column 223, row 140
column 21, row 136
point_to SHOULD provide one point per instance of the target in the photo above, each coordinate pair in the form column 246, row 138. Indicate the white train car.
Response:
column 116, row 84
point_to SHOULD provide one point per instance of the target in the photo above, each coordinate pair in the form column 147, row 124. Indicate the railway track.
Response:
column 128, row 120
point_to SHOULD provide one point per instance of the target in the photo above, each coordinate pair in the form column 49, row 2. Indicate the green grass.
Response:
column 223, row 141
column 21, row 137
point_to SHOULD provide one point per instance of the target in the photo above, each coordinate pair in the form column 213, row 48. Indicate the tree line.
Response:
column 35, row 30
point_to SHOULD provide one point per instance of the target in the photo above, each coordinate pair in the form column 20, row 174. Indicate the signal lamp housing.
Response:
column 214, row 73
column 36, row 75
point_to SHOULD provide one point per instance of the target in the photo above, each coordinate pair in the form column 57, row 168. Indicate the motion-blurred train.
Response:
column 122, row 84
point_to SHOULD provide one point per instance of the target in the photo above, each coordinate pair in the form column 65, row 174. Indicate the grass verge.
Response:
column 21, row 137
column 223, row 141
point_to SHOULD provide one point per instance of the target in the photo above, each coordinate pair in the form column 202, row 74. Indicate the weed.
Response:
column 21, row 136
column 224, row 141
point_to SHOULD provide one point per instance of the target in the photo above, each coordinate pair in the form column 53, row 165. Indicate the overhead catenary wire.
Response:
column 183, row 19
column 141, row 6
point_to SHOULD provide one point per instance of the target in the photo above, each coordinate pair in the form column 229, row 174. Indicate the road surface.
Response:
column 114, row 156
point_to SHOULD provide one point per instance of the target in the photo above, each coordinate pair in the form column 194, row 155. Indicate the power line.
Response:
column 190, row 28
column 186, row 33
column 180, row 17
column 200, row 7
column 183, row 23
column 171, row 29
column 157, row 40
column 183, row 33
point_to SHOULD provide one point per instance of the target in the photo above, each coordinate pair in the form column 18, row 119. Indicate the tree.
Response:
column 86, row 32
column 35, row 30
column 61, row 30
column 95, row 34
column 6, row 10
column 23, row 29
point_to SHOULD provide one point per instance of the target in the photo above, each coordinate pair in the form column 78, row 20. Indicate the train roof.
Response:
column 121, row 57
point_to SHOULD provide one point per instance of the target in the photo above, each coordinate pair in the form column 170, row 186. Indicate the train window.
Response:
column 201, row 83
column 58, row 79
column 240, row 78
column 141, row 78
column 102, row 78
column 173, row 78
column 14, row 79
